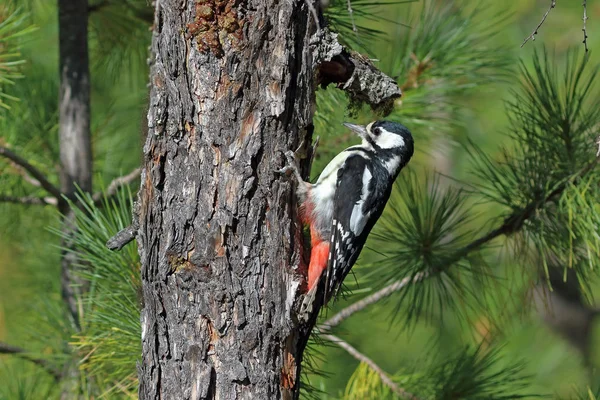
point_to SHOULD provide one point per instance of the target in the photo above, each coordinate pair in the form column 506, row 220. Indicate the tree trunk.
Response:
column 74, row 127
column 231, row 89
column 75, row 153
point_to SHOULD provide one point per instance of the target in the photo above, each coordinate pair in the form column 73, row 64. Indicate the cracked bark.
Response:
column 216, row 239
column 222, row 280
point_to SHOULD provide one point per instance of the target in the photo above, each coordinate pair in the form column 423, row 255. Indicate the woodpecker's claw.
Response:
column 291, row 157
column 291, row 167
column 291, row 163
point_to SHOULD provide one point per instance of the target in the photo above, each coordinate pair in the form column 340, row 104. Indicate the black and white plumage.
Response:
column 348, row 198
column 363, row 186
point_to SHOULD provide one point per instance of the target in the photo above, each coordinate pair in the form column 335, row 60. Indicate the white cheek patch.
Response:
column 389, row 140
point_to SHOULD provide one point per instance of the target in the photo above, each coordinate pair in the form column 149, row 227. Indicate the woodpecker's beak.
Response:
column 358, row 129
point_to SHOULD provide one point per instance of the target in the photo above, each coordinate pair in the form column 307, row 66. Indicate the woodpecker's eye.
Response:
column 377, row 131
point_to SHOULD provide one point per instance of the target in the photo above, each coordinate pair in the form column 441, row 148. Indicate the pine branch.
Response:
column 511, row 224
column 29, row 200
column 367, row 301
column 36, row 173
column 535, row 31
column 116, row 184
column 23, row 354
column 363, row 358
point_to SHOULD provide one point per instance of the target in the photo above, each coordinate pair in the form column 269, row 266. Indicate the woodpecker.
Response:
column 348, row 198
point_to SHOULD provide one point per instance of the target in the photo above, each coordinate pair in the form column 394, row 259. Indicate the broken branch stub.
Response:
column 353, row 73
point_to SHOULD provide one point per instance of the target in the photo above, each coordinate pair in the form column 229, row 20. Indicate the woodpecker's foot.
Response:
column 291, row 166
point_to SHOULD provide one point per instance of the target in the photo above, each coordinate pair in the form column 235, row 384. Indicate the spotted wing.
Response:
column 356, row 208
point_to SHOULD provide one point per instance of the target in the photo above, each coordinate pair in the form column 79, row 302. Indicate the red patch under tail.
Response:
column 319, row 257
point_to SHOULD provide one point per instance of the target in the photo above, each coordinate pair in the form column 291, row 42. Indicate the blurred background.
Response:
column 458, row 64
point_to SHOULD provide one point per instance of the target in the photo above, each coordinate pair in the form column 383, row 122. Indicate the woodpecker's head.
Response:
column 389, row 140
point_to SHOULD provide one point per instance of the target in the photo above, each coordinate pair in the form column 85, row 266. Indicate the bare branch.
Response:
column 23, row 354
column 367, row 301
column 352, row 73
column 25, row 175
column 535, row 31
column 585, row 18
column 314, row 13
column 29, row 200
column 117, row 183
column 39, row 176
column 362, row 358
column 123, row 237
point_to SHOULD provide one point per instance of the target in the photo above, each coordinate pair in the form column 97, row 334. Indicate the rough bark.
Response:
column 232, row 88
column 74, row 127
column 219, row 249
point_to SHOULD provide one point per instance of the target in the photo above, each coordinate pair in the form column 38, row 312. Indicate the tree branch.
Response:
column 367, row 301
column 116, row 184
column 123, row 237
column 25, row 175
column 29, row 200
column 362, row 358
column 41, row 178
column 511, row 224
column 23, row 354
column 535, row 31
column 352, row 73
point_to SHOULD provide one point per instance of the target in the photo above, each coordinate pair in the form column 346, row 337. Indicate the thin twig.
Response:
column 351, row 12
column 23, row 354
column 535, row 31
column 585, row 18
column 314, row 13
column 25, row 175
column 41, row 178
column 510, row 225
column 29, row 200
column 116, row 184
column 367, row 301
column 362, row 358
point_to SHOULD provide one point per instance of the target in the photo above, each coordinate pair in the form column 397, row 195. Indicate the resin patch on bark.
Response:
column 217, row 26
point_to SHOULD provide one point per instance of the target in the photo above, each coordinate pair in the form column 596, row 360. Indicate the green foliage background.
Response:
column 472, row 334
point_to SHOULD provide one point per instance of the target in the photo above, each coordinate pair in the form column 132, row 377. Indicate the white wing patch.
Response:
column 358, row 219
